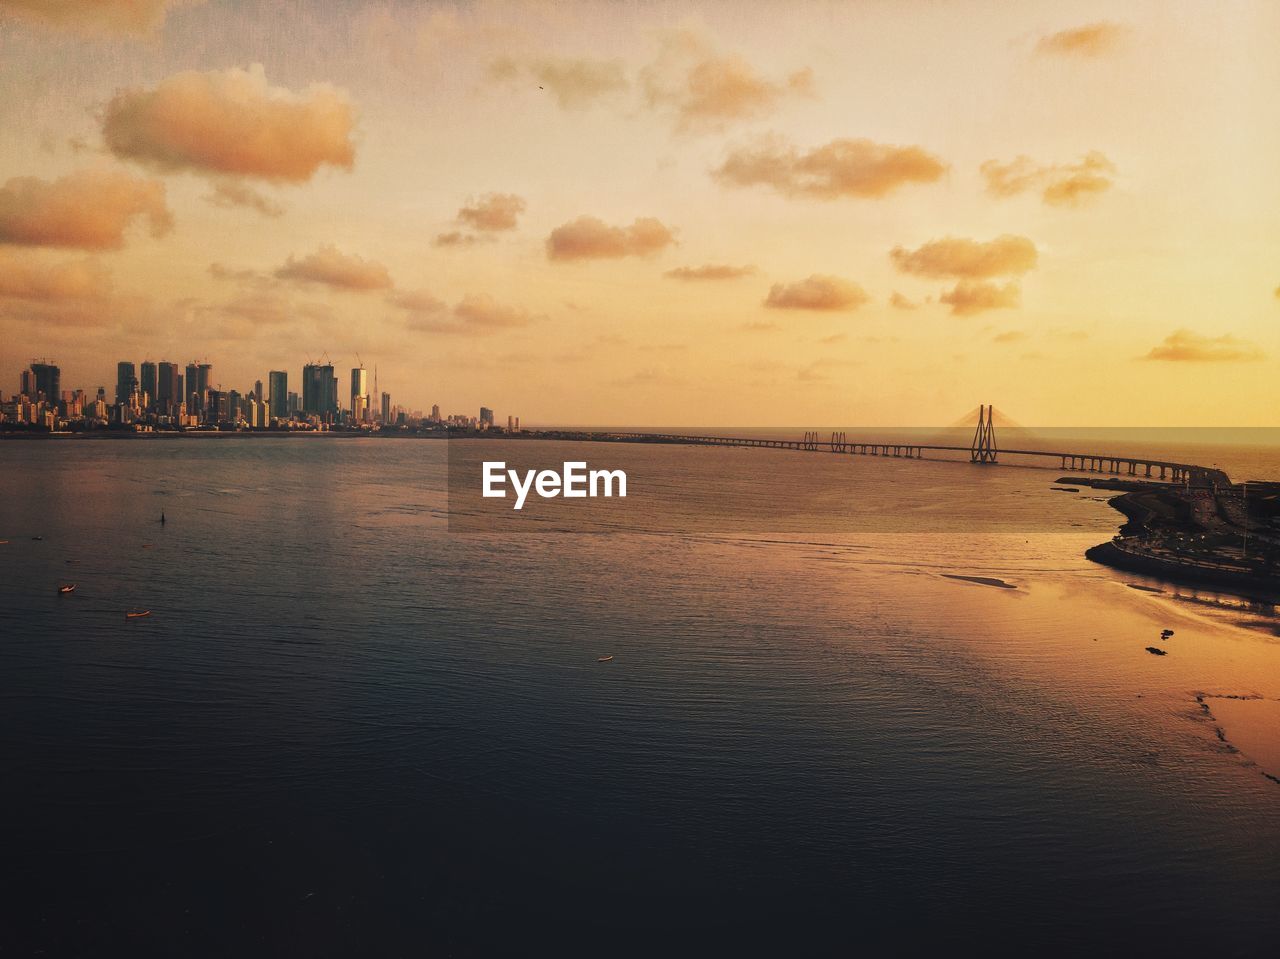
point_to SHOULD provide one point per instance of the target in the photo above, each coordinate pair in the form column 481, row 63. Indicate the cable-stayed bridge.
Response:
column 983, row 450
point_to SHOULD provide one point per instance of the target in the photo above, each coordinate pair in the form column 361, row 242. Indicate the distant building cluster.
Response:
column 166, row 396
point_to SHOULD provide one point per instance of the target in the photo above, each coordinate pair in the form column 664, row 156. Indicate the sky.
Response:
column 757, row 213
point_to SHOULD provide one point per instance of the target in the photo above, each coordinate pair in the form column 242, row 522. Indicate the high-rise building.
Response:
column 126, row 381
column 486, row 417
column 435, row 412
column 359, row 392
column 278, row 392
column 148, row 381
column 168, row 386
column 319, row 390
column 197, row 386
column 386, row 408
column 46, row 378
column 257, row 391
column 27, row 385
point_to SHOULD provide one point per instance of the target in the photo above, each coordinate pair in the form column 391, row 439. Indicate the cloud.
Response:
column 1061, row 184
column 960, row 258
column 228, row 194
column 87, row 210
column 477, row 313
column 1186, row 346
column 116, row 16
column 900, row 302
column 232, row 122
column 455, row 238
column 760, row 327
column 817, row 292
column 332, row 267
column 706, row 91
column 417, row 301
column 482, row 310
column 975, row 296
column 589, row 238
column 710, row 271
column 841, row 168
column 76, row 293
column 1009, row 336
column 1089, row 41
column 577, row 83
column 23, row 277
column 1277, row 293
column 493, row 211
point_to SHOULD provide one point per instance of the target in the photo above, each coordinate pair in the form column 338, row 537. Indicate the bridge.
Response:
column 983, row 450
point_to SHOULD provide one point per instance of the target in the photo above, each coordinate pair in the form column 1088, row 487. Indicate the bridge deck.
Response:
column 1110, row 463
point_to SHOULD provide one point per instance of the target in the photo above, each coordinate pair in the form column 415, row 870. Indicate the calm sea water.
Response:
column 350, row 729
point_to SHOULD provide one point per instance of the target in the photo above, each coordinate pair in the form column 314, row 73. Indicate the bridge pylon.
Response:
column 984, row 448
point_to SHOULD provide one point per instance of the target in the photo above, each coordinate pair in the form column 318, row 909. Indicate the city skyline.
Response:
column 166, row 395
column 662, row 213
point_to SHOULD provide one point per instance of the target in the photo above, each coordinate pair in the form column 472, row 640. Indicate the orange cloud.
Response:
column 589, row 238
column 232, row 122
column 228, row 193
column 841, row 168
column 81, row 293
column 711, row 271
column 332, row 267
column 120, row 16
column 975, row 296
column 493, row 211
column 455, row 238
column 900, row 302
column 87, row 210
column 706, row 91
column 1061, row 184
column 577, row 83
column 1091, row 40
column 1186, row 346
column 1006, row 255
column 1009, row 336
column 25, row 278
column 482, row 310
column 476, row 313
column 817, row 292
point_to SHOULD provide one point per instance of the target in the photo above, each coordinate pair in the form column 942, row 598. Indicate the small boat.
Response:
column 69, row 588
column 1156, row 652
column 605, row 659
column 137, row 613
column 1166, row 633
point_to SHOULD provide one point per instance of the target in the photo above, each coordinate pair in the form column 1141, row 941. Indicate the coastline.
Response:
column 1157, row 514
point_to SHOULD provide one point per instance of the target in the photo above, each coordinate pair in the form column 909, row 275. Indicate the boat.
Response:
column 605, row 659
column 136, row 613
column 1166, row 633
column 69, row 588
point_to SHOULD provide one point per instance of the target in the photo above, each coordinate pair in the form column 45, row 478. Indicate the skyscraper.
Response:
column 148, row 381
column 168, row 386
column 47, row 380
column 486, row 417
column 278, row 391
column 126, row 381
column 359, row 392
column 319, row 390
column 197, row 385
column 386, row 408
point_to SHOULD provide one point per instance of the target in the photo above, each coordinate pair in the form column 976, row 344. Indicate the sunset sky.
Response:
column 875, row 213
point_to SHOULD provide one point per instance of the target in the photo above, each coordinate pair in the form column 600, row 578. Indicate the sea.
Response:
column 889, row 709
